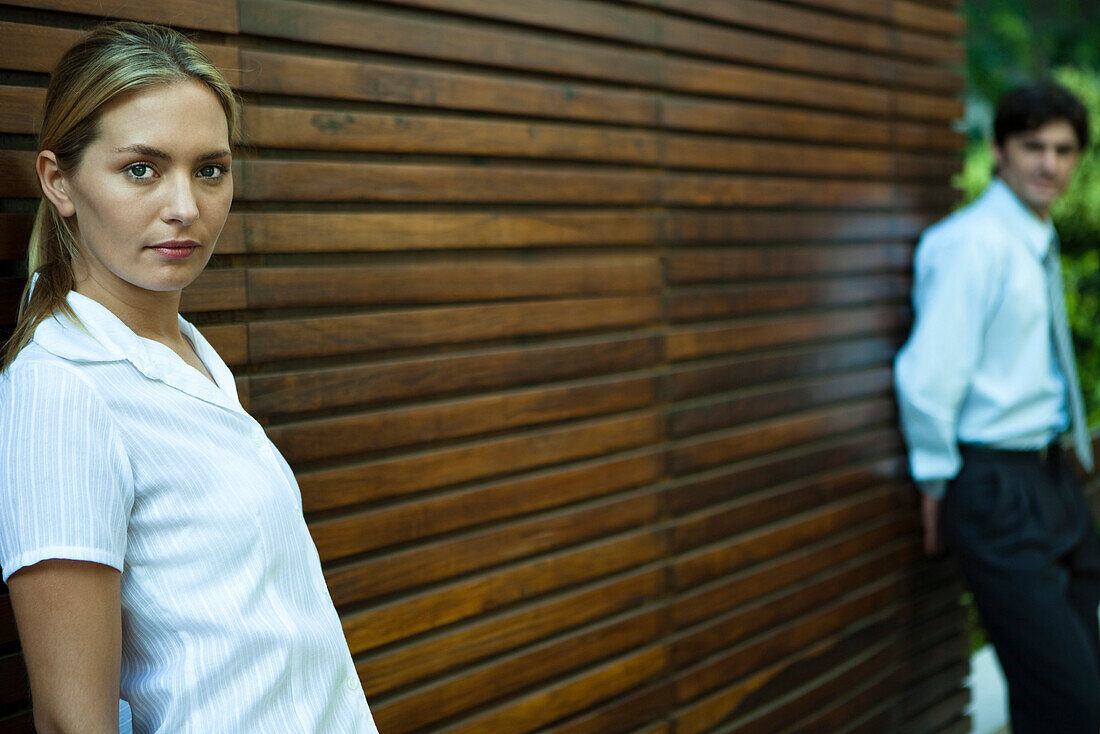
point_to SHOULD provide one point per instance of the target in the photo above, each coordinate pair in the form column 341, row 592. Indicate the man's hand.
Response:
column 930, row 518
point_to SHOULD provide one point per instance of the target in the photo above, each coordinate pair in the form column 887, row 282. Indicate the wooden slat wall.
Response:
column 575, row 319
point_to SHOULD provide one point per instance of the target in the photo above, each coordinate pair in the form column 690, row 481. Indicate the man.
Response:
column 985, row 384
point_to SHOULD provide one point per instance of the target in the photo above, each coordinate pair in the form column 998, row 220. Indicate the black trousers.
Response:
column 1021, row 530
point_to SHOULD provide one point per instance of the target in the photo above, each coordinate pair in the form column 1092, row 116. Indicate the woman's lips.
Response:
column 175, row 250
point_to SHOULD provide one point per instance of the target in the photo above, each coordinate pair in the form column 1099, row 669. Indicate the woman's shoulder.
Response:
column 37, row 375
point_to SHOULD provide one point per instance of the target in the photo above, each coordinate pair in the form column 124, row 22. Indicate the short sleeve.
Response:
column 66, row 489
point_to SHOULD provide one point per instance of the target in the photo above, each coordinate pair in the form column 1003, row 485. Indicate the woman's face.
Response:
column 151, row 194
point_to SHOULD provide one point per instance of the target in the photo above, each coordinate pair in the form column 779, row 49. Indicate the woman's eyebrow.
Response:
column 148, row 150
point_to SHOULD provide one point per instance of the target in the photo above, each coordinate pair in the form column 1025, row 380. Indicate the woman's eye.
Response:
column 140, row 171
column 213, row 172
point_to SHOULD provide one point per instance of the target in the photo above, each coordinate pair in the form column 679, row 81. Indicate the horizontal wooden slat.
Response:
column 443, row 374
column 727, row 484
column 216, row 290
column 20, row 108
column 701, row 341
column 712, row 302
column 717, row 560
column 398, row 666
column 768, row 401
column 729, row 190
column 472, row 597
column 39, row 48
column 569, row 695
column 300, row 232
column 210, row 15
column 320, row 129
column 745, row 263
column 327, row 438
column 15, row 230
column 420, row 521
column 370, row 481
column 317, row 337
column 384, row 182
column 727, row 446
column 706, row 226
column 486, row 683
column 263, row 71
column 484, row 280
column 741, row 372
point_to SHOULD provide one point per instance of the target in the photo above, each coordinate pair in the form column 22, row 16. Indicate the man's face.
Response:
column 1037, row 164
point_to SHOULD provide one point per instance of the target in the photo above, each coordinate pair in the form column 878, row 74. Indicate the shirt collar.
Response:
column 1036, row 233
column 100, row 336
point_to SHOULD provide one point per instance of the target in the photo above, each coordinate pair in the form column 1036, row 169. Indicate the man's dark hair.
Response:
column 1031, row 106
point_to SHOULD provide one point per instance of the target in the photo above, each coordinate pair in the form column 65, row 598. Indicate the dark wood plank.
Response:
column 15, row 230
column 775, row 261
column 388, row 32
column 309, row 76
column 758, row 404
column 760, row 50
column 355, row 434
column 729, row 190
column 714, row 302
column 20, row 109
column 694, row 342
column 326, row 336
column 39, row 48
column 575, row 16
column 230, row 341
column 17, row 176
column 805, row 494
column 626, row 714
column 209, row 15
column 756, row 120
column 386, row 182
column 702, row 226
column 472, row 597
column 776, row 433
column 302, row 232
column 704, row 77
column 216, row 290
column 727, row 485
column 568, row 696
column 422, row 521
column 326, row 129
column 486, row 279
column 793, row 533
column 761, row 156
column 483, row 685
column 742, row 372
column 393, row 477
column 461, row 646
column 403, row 379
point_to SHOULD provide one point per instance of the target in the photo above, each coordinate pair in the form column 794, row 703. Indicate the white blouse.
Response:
column 114, row 450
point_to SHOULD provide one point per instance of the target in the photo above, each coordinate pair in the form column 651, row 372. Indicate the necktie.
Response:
column 1063, row 350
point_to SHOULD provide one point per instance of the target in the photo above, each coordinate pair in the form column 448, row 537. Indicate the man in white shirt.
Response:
column 986, row 384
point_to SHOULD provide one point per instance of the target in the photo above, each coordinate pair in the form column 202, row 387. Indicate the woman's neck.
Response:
column 150, row 314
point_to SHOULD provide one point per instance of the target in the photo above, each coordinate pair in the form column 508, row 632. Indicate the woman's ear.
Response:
column 53, row 183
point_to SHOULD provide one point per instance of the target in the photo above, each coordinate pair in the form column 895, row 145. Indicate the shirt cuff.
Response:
column 933, row 487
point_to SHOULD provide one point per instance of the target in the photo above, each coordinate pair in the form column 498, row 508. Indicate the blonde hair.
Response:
column 113, row 59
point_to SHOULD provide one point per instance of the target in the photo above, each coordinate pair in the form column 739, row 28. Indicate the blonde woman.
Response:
column 151, row 536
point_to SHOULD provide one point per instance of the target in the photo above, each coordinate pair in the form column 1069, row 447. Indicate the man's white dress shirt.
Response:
column 979, row 366
column 114, row 450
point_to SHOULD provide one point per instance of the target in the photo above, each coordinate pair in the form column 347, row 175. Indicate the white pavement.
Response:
column 988, row 703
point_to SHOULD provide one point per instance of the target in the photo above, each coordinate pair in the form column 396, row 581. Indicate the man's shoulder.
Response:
column 974, row 233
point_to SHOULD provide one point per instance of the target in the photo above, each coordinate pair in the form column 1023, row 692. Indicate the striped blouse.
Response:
column 114, row 450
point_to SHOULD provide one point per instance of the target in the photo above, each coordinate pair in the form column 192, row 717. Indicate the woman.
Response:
column 151, row 536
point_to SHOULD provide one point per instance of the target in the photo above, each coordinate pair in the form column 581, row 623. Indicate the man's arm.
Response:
column 953, row 293
column 70, row 625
